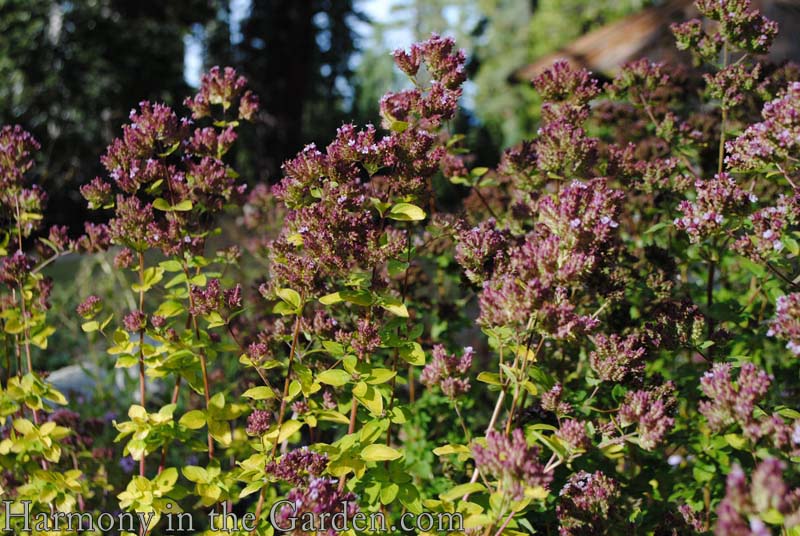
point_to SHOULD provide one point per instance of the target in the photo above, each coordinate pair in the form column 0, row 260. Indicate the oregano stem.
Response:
column 203, row 363
column 141, row 351
column 287, row 381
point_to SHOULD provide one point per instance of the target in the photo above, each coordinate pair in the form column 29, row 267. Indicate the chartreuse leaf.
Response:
column 287, row 430
column 460, row 491
column 195, row 474
column 413, row 354
column 334, row 377
column 251, row 488
column 357, row 297
column 164, row 206
column 150, row 278
column 451, row 449
column 369, row 397
column 290, row 296
column 406, row 212
column 193, row 420
column 378, row 376
column 262, row 392
column 394, row 306
column 379, row 453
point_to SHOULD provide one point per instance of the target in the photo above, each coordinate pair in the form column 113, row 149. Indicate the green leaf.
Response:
column 332, row 416
column 169, row 309
column 195, row 474
column 479, row 171
column 394, row 306
column 251, row 488
column 736, row 441
column 89, row 327
column 413, row 354
column 369, row 396
column 389, row 492
column 262, row 392
column 444, row 450
column 126, row 360
column 492, row 378
column 171, row 265
column 406, row 212
column 379, row 453
column 290, row 296
column 193, row 420
column 166, row 480
column 398, row 126
column 287, row 430
column 161, row 204
column 380, row 375
column 150, row 277
column 334, row 377
column 183, row 206
column 656, row 227
column 396, row 268
column 460, row 491
column 330, row 299
column 284, row 309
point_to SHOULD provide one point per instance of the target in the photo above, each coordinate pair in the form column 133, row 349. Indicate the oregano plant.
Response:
column 598, row 335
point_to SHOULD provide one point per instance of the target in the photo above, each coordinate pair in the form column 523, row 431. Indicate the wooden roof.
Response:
column 646, row 34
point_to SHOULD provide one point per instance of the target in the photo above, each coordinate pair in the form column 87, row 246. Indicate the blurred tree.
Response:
column 298, row 58
column 500, row 36
column 515, row 33
column 73, row 69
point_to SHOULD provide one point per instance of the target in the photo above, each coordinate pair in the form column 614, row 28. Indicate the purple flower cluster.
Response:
column 169, row 175
column 651, row 174
column 311, row 494
column 574, row 236
column 764, row 242
column 332, row 227
column 731, row 85
column 258, row 422
column 225, row 88
column 134, row 321
column 618, row 359
column 447, row 371
column 738, row 25
column 14, row 269
column 732, row 403
column 16, row 157
column 551, row 401
column 775, row 140
column 480, row 249
column 786, row 323
column 586, row 502
column 319, row 498
column 641, row 81
column 295, row 466
column 573, row 433
column 651, row 412
column 742, row 510
column 444, row 65
column 89, row 307
column 563, row 148
column 17, row 148
column 717, row 199
column 511, row 462
column 363, row 340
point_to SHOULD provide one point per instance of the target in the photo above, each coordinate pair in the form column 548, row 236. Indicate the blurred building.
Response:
column 647, row 35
